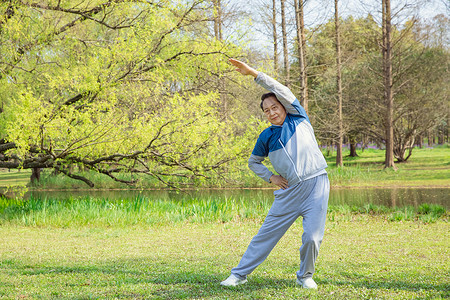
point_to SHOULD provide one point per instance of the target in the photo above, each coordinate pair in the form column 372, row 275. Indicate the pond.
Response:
column 389, row 197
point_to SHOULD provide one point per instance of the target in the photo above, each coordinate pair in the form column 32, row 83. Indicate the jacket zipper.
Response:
column 292, row 162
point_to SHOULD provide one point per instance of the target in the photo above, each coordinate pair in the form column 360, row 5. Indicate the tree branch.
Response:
column 6, row 146
column 77, row 177
column 84, row 16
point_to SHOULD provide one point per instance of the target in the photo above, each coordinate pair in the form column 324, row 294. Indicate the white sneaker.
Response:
column 307, row 283
column 233, row 280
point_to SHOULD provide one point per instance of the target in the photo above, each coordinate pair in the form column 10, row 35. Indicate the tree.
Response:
column 387, row 82
column 357, row 42
column 422, row 103
column 285, row 43
column 274, row 36
column 339, row 159
column 110, row 86
column 301, row 49
column 217, row 19
column 419, row 90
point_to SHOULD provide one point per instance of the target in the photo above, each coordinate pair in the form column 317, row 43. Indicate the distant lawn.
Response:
column 367, row 258
column 426, row 168
column 14, row 177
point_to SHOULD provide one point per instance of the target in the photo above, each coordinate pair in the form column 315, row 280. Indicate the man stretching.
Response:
column 296, row 157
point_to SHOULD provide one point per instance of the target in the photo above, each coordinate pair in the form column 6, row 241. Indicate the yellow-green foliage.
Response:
column 125, row 81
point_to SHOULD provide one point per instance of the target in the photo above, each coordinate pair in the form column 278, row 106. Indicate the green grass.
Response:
column 14, row 177
column 367, row 258
column 144, row 212
column 426, row 168
column 181, row 249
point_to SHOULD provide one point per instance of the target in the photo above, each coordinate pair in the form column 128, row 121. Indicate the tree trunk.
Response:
column 339, row 159
column 329, row 148
column 217, row 19
column 353, row 150
column 447, row 131
column 305, row 75
column 441, row 135
column 275, row 38
column 218, row 35
column 35, row 174
column 285, row 44
column 387, row 74
column 401, row 147
column 352, row 141
column 301, row 53
column 364, row 143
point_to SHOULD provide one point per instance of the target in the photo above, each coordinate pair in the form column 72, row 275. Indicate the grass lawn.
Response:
column 364, row 258
column 14, row 177
column 146, row 249
column 426, row 168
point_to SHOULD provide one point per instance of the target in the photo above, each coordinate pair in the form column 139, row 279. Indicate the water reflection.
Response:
column 392, row 197
column 396, row 197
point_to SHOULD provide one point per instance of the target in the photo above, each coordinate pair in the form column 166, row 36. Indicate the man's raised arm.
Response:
column 243, row 68
column 283, row 93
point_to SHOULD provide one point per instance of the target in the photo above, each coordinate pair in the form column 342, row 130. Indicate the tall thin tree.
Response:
column 285, row 43
column 387, row 81
column 217, row 19
column 339, row 159
column 275, row 37
column 300, row 24
column 305, row 74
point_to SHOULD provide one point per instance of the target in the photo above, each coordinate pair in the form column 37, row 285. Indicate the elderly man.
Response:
column 304, row 187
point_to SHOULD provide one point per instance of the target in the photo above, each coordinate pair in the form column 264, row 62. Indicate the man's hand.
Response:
column 243, row 68
column 279, row 181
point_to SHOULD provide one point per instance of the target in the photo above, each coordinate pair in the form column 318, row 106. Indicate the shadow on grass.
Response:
column 160, row 280
column 151, row 278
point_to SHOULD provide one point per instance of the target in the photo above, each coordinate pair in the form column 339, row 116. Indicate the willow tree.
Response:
column 107, row 85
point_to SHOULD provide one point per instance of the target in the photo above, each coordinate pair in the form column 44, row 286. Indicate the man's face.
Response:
column 274, row 111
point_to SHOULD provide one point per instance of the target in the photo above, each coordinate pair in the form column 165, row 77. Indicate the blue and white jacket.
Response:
column 291, row 147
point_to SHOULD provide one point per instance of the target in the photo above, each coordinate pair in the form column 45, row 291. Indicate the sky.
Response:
column 320, row 11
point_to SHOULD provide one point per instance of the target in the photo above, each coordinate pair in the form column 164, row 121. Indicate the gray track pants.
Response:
column 308, row 199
